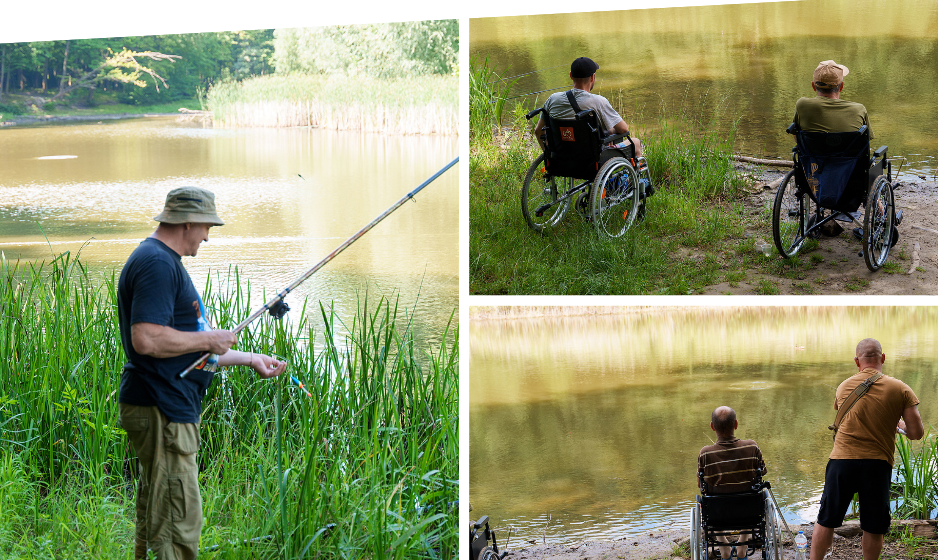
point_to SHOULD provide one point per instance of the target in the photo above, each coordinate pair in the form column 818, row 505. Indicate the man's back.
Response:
column 558, row 107
column 730, row 465
column 825, row 114
column 868, row 431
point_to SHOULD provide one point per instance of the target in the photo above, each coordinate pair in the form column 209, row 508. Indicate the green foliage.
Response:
column 11, row 109
column 917, row 477
column 387, row 50
column 488, row 93
column 364, row 467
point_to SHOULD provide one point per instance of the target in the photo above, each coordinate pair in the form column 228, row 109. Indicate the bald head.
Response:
column 723, row 421
column 870, row 354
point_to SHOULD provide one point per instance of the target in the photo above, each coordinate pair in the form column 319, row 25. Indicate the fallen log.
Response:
column 771, row 162
column 920, row 528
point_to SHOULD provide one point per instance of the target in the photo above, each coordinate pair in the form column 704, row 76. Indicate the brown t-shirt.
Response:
column 730, row 465
column 868, row 431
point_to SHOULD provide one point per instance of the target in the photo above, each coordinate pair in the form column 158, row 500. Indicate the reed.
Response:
column 365, row 467
column 916, row 487
column 417, row 105
column 488, row 96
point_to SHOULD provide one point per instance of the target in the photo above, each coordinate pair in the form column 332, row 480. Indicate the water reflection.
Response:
column 288, row 197
column 598, row 420
column 750, row 61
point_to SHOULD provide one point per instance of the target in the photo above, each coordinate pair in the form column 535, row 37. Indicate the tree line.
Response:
column 165, row 68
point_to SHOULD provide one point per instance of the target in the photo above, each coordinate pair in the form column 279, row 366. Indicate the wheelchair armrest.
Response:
column 792, row 128
column 481, row 522
column 534, row 112
column 616, row 137
column 583, row 114
column 881, row 152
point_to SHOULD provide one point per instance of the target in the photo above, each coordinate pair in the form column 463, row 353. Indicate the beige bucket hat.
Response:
column 189, row 205
column 829, row 74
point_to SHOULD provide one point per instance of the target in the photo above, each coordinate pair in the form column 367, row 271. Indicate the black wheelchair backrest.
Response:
column 573, row 145
column 834, row 166
column 733, row 511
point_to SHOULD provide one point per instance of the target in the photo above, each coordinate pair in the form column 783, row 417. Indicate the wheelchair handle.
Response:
column 792, row 128
column 534, row 112
column 481, row 522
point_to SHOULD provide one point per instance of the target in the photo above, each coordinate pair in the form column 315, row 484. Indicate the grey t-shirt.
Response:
column 558, row 107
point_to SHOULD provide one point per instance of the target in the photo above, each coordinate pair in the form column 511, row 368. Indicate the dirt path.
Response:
column 836, row 266
column 673, row 544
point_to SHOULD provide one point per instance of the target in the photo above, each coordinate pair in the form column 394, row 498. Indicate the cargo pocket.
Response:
column 138, row 432
column 185, row 506
column 181, row 439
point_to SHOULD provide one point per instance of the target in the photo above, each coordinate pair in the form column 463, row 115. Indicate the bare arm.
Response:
column 159, row 341
column 264, row 365
column 911, row 423
column 538, row 130
column 620, row 128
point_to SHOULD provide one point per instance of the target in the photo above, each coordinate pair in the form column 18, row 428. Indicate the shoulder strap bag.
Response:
column 851, row 400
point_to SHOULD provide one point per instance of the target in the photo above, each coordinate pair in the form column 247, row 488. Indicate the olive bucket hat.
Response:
column 189, row 205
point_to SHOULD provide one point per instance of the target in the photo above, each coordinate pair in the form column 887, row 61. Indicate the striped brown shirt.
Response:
column 730, row 465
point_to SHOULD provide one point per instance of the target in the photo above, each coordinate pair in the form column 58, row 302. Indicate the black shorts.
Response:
column 871, row 479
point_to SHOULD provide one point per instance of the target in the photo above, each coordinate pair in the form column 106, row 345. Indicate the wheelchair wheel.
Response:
column 539, row 197
column 773, row 532
column 697, row 544
column 789, row 215
column 614, row 198
column 488, row 553
column 878, row 224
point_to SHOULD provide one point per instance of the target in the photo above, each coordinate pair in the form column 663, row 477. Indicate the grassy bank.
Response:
column 16, row 106
column 420, row 105
column 365, row 467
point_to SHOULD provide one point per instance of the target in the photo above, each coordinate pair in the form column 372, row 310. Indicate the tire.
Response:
column 789, row 215
column 878, row 223
column 615, row 198
column 697, row 544
column 773, row 532
column 538, row 194
column 644, row 172
column 488, row 553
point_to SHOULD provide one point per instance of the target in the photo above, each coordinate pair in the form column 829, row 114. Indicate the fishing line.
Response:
column 526, row 73
column 278, row 308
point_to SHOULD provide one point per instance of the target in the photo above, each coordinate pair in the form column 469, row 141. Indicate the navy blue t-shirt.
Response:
column 154, row 287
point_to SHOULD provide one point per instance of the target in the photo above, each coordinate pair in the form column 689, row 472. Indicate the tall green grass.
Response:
column 488, row 96
column 689, row 236
column 916, row 488
column 417, row 105
column 366, row 467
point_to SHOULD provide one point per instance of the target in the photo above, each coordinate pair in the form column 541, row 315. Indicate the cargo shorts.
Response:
column 169, row 506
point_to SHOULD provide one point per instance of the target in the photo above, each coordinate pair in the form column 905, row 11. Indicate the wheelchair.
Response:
column 726, row 515
column 578, row 169
column 833, row 175
column 479, row 548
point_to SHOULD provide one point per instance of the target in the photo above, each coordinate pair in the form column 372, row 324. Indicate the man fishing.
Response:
column 729, row 465
column 827, row 112
column 163, row 328
column 583, row 73
column 871, row 408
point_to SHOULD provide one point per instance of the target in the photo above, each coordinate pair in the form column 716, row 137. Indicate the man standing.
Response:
column 729, row 465
column 827, row 112
column 583, row 73
column 163, row 329
column 864, row 444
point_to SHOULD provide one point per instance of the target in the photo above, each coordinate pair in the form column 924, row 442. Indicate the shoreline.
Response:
column 25, row 120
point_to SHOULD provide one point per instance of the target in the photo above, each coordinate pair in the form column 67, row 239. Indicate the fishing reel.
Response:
column 279, row 309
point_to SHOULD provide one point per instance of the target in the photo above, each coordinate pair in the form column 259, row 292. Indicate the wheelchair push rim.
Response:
column 789, row 216
column 615, row 198
column 544, row 200
column 878, row 224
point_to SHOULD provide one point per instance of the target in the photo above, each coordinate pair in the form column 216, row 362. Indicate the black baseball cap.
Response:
column 583, row 68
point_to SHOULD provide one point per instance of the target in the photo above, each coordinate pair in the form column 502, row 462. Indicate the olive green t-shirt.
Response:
column 823, row 114
column 868, row 431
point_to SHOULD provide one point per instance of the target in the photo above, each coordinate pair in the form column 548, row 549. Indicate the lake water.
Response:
column 597, row 420
column 750, row 61
column 288, row 198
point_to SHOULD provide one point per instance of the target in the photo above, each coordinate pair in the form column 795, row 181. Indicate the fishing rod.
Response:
column 278, row 308
column 787, row 528
column 526, row 74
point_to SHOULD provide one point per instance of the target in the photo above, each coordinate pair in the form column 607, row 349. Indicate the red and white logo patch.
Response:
column 566, row 133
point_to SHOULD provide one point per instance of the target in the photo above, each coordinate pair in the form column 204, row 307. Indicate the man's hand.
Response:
column 220, row 341
column 267, row 367
column 160, row 341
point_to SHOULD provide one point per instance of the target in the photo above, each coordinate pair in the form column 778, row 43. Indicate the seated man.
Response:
column 729, row 465
column 827, row 112
column 583, row 74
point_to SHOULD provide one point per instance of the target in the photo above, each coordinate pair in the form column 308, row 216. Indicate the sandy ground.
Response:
column 843, row 270
column 668, row 545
